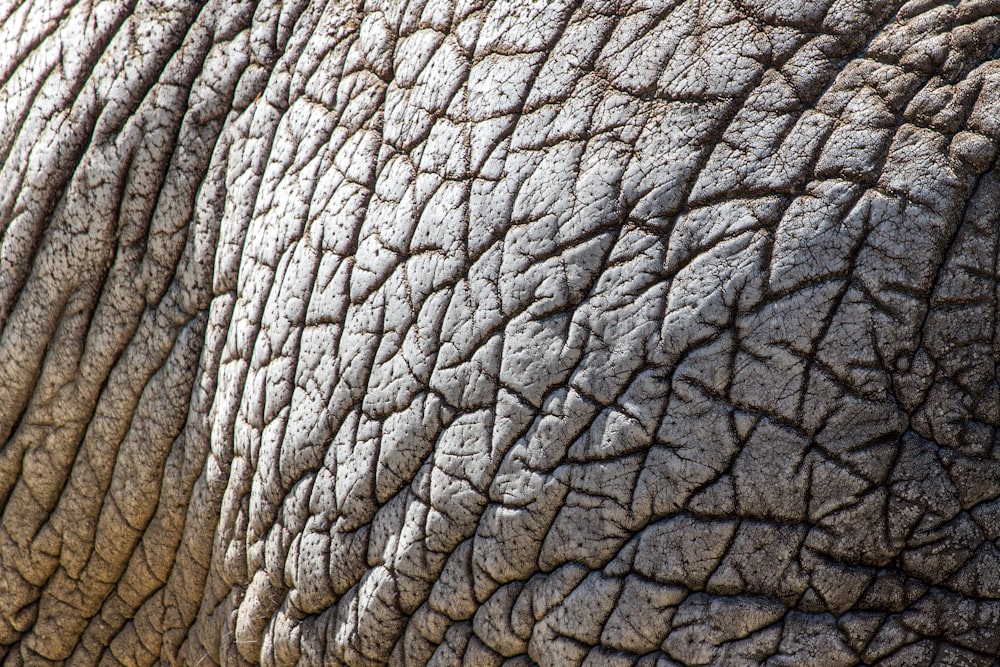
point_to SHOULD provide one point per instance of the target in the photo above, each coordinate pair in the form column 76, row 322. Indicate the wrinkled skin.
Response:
column 458, row 332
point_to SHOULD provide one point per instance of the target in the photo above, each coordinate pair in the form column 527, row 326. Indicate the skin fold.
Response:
column 455, row 332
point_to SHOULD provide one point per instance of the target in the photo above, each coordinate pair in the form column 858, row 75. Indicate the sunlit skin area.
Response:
column 527, row 332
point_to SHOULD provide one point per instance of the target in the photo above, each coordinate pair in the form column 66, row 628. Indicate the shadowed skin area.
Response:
column 522, row 332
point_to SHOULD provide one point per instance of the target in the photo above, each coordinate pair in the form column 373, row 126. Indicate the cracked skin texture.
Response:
column 526, row 332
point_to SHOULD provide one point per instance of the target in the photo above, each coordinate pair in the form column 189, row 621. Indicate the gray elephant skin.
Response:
column 526, row 332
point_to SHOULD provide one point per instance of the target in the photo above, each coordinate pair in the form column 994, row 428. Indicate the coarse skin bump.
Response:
column 523, row 332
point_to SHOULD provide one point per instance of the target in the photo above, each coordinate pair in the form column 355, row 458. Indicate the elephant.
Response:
column 523, row 332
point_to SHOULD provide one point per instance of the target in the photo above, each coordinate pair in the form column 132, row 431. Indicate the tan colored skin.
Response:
column 455, row 332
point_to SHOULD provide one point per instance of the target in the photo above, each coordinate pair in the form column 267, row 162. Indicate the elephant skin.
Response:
column 635, row 332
